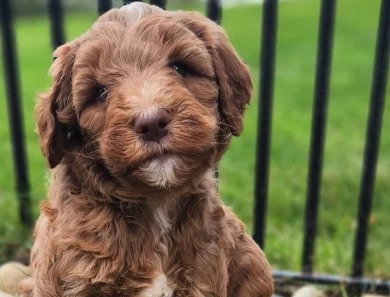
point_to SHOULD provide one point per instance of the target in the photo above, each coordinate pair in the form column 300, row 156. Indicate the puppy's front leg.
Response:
column 250, row 272
column 43, row 282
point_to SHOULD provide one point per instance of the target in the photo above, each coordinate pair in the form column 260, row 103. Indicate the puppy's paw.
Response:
column 5, row 295
column 10, row 276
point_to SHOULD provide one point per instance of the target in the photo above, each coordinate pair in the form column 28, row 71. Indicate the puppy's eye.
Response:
column 180, row 68
column 101, row 94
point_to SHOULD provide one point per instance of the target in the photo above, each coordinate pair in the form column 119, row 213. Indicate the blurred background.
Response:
column 353, row 57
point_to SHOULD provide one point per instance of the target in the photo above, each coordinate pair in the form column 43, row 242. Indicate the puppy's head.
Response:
column 152, row 96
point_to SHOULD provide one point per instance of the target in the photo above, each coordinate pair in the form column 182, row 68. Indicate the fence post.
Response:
column 104, row 6
column 56, row 23
column 263, row 145
column 15, row 112
column 318, row 131
column 214, row 10
column 160, row 3
column 374, row 125
column 130, row 1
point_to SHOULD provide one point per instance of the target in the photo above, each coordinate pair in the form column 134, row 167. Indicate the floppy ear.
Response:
column 233, row 76
column 54, row 111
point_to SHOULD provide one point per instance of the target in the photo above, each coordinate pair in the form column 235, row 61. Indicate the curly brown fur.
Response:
column 128, row 217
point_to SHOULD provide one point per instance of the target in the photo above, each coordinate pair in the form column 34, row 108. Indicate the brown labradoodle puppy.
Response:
column 142, row 108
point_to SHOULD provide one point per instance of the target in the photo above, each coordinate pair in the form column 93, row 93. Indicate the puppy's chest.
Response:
column 164, row 286
column 158, row 288
column 180, row 276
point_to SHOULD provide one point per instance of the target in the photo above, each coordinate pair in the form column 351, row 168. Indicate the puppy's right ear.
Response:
column 54, row 111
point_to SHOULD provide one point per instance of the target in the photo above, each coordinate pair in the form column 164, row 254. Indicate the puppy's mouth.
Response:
column 161, row 157
column 162, row 166
column 161, row 171
column 164, row 170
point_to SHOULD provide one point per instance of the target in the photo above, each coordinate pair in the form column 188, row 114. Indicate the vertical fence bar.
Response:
column 130, row 1
column 15, row 112
column 214, row 10
column 159, row 3
column 318, row 132
column 267, row 74
column 214, row 13
column 55, row 10
column 374, row 125
column 104, row 6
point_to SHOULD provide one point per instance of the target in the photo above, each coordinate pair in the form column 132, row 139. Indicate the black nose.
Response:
column 153, row 126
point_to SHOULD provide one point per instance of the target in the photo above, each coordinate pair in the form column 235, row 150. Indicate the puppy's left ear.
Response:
column 234, row 80
column 233, row 76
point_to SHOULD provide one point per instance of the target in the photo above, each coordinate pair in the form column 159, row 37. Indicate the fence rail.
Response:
column 356, row 284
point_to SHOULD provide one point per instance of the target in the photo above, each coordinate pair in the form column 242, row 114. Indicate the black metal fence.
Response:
column 356, row 284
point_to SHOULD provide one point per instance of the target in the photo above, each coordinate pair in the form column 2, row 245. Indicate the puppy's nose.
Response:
column 153, row 126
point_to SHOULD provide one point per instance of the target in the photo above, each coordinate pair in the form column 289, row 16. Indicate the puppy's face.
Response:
column 149, row 103
column 153, row 96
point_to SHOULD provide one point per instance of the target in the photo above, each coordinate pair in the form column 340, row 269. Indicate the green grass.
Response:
column 349, row 99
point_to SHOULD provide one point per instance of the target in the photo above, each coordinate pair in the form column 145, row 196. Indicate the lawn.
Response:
column 296, row 53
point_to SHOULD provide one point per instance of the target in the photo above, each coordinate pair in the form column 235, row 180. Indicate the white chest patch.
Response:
column 158, row 288
column 162, row 219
